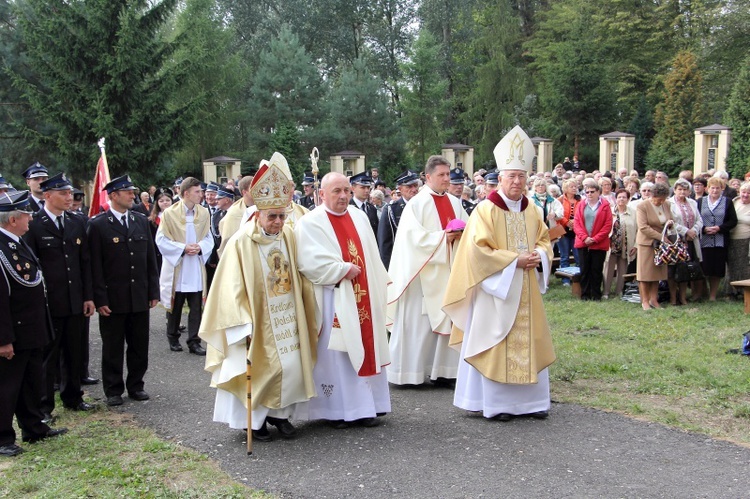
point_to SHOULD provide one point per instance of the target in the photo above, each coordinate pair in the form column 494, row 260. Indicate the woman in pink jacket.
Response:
column 593, row 223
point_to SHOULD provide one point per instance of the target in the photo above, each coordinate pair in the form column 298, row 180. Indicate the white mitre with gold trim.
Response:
column 272, row 185
column 515, row 151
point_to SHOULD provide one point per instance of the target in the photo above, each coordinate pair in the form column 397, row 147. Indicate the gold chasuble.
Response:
column 351, row 251
column 258, row 291
column 517, row 344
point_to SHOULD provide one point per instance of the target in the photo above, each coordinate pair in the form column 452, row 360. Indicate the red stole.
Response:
column 444, row 209
column 351, row 251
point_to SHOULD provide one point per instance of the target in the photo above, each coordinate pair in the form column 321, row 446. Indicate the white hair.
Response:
column 5, row 216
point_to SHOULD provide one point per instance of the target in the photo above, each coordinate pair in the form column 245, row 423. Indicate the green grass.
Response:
column 106, row 455
column 668, row 366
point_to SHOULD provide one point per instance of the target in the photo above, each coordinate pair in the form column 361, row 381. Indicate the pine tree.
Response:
column 98, row 70
column 677, row 116
column 737, row 116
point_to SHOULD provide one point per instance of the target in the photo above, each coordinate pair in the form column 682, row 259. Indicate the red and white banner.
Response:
column 99, row 198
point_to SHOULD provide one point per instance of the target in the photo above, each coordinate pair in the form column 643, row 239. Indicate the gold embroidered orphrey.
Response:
column 359, row 293
column 516, row 148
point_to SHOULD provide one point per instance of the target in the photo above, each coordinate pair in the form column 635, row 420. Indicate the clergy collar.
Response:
column 333, row 212
column 432, row 191
column 502, row 201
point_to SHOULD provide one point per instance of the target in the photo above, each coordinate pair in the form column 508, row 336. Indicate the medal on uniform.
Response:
column 12, row 245
column 27, row 266
column 18, row 267
column 115, row 240
column 26, row 277
column 15, row 257
column 78, row 241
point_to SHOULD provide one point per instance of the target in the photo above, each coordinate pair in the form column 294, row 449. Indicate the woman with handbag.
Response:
column 569, row 200
column 688, row 223
column 719, row 218
column 739, row 238
column 651, row 215
column 622, row 248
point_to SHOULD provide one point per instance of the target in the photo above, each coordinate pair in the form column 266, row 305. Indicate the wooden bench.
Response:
column 745, row 285
column 575, row 282
column 629, row 277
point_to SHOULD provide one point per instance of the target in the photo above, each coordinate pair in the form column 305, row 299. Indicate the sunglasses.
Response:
column 591, row 192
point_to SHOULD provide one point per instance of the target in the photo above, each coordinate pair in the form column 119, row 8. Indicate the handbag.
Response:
column 669, row 252
column 688, row 271
column 556, row 232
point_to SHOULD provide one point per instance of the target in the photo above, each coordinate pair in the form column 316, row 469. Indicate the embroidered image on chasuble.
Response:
column 351, row 251
column 498, row 236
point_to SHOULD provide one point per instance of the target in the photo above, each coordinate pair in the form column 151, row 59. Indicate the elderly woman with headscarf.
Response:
column 739, row 237
column 689, row 223
column 719, row 218
column 652, row 215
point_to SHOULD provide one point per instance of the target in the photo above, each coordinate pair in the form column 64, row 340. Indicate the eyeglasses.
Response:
column 591, row 192
column 274, row 216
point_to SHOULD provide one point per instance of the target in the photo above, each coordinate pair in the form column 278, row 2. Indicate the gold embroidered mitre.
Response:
column 272, row 185
column 515, row 151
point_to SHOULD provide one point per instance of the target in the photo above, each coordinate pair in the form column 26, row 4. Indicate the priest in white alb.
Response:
column 494, row 297
column 337, row 252
column 259, row 298
column 420, row 266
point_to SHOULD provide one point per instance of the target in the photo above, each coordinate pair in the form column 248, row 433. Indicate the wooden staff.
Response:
column 249, row 403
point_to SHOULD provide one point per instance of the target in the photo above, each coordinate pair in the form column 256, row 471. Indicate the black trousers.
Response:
column 116, row 331
column 63, row 353
column 195, row 302
column 21, row 387
column 592, row 267
column 85, row 349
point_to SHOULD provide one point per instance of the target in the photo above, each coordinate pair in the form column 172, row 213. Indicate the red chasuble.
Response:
column 444, row 208
column 351, row 251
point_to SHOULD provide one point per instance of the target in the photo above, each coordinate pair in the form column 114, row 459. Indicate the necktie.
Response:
column 60, row 223
column 41, row 203
column 124, row 221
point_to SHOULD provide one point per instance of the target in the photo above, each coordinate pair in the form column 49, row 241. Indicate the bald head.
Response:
column 335, row 191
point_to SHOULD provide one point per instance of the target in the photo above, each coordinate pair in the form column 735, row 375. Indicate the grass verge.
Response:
column 106, row 454
column 668, row 366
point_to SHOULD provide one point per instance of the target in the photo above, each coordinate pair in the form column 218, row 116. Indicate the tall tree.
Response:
column 737, row 116
column 215, row 73
column 424, row 102
column 677, row 116
column 99, row 70
column 577, row 88
column 286, row 91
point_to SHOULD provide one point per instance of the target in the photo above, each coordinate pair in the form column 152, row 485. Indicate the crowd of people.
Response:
column 324, row 298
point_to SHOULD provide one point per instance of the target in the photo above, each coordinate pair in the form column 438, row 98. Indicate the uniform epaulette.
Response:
column 138, row 213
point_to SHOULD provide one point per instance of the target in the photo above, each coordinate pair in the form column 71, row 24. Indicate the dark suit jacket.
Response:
column 123, row 263
column 24, row 320
column 387, row 227
column 34, row 205
column 372, row 214
column 65, row 261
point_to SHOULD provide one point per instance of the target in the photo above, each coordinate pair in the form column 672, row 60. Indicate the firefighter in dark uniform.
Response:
column 24, row 329
column 407, row 184
column 308, row 185
column 58, row 239
column 224, row 199
column 361, row 187
column 35, row 175
column 126, row 287
column 456, row 188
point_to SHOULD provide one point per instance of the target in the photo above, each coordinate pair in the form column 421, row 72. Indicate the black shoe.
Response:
column 81, row 406
column 198, row 350
column 339, row 424
column 445, row 382
column 56, row 387
column 51, row 433
column 286, row 429
column 182, row 328
column 114, row 400
column 140, row 395
column 88, row 380
column 540, row 415
column 10, row 450
column 262, row 435
column 48, row 418
column 504, row 417
column 175, row 347
column 368, row 422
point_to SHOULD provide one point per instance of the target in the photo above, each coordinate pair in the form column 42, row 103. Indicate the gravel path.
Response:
column 428, row 448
